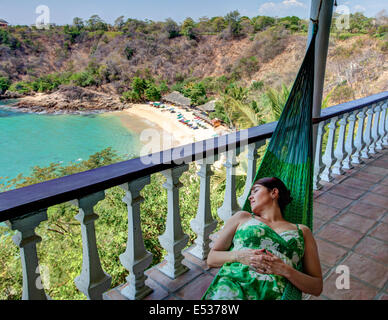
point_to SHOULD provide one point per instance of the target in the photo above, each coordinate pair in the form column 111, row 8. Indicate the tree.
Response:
column 96, row 23
column 233, row 21
column 359, row 23
column 172, row 28
column 129, row 52
column 72, row 32
column 246, row 25
column 260, row 23
column 218, row 24
column 163, row 87
column 278, row 100
column 119, row 23
column 78, row 23
column 188, row 28
column 138, row 85
column 196, row 92
column 153, row 93
column 4, row 84
column 203, row 24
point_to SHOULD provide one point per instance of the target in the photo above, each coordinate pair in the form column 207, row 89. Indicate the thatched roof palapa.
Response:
column 208, row 107
column 177, row 98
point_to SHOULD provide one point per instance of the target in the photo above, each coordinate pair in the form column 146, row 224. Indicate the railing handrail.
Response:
column 351, row 106
column 18, row 202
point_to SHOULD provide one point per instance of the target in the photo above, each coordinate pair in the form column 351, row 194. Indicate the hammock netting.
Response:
column 289, row 155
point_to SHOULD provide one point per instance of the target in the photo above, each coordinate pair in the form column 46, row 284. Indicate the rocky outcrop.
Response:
column 70, row 99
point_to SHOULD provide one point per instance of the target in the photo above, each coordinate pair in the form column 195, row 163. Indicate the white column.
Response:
column 135, row 258
column 382, row 122
column 368, row 133
column 321, row 49
column 26, row 240
column 203, row 224
column 92, row 281
column 349, row 145
column 318, row 164
column 340, row 152
column 173, row 239
column 328, row 157
column 230, row 205
column 359, row 142
column 252, row 157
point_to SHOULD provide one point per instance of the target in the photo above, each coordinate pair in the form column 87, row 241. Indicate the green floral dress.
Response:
column 237, row 281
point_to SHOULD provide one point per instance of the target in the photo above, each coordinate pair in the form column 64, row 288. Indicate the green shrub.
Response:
column 256, row 85
column 83, row 79
column 152, row 93
column 4, row 84
column 20, row 87
column 196, row 92
column 131, row 96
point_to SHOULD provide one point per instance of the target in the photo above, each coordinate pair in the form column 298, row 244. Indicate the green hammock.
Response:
column 289, row 155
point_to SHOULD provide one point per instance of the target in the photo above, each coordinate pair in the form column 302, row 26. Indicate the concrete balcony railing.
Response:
column 354, row 130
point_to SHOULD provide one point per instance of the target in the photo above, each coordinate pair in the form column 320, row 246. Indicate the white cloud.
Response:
column 293, row 3
column 284, row 8
column 358, row 8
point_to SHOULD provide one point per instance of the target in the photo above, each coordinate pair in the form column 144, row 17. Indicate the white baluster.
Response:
column 375, row 128
column 368, row 133
column 318, row 164
column 349, row 145
column 173, row 240
column 26, row 240
column 359, row 142
column 230, row 205
column 383, row 128
column 135, row 258
column 380, row 132
column 328, row 157
column 340, row 152
column 203, row 224
column 252, row 157
column 92, row 281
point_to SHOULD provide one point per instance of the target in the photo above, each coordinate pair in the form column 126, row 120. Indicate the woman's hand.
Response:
column 269, row 264
column 245, row 256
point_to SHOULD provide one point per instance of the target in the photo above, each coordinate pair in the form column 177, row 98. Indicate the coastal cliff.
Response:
column 69, row 99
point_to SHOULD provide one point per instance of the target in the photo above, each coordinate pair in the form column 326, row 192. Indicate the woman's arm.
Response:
column 219, row 254
column 309, row 282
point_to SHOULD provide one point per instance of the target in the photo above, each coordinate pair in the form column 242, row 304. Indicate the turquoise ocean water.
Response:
column 28, row 139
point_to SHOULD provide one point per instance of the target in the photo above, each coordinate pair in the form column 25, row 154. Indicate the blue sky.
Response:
column 63, row 11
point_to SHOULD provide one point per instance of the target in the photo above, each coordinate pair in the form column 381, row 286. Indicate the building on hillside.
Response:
column 177, row 98
column 3, row 23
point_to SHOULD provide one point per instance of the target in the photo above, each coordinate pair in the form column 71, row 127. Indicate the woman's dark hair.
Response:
column 273, row 182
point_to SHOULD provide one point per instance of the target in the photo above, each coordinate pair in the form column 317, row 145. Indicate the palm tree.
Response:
column 278, row 99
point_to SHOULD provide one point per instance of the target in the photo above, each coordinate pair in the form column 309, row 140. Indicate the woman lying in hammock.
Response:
column 265, row 250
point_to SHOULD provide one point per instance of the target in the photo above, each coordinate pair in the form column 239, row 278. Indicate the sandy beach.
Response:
column 167, row 131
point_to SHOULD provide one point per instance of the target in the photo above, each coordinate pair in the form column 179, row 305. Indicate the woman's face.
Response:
column 261, row 197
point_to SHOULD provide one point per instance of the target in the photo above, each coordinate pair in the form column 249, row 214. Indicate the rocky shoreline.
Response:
column 66, row 100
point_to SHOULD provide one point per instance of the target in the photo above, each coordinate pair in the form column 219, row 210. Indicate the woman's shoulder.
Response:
column 240, row 217
column 306, row 230
column 242, row 214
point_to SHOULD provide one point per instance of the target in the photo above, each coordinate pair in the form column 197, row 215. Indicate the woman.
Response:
column 259, row 251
